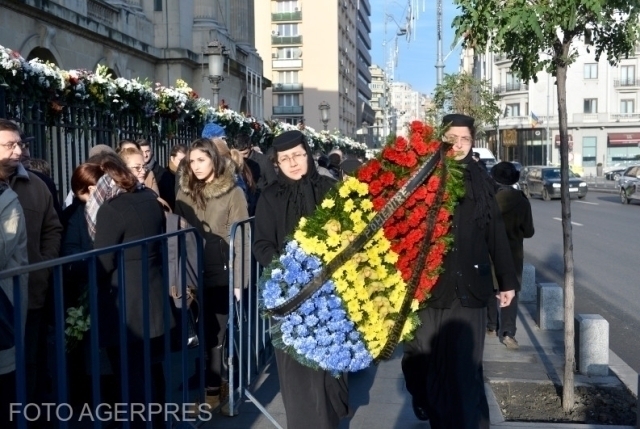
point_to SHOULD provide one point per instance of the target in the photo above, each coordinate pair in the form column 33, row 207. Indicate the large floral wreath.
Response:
column 357, row 316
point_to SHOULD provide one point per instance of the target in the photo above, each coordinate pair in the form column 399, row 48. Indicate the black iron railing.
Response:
column 64, row 134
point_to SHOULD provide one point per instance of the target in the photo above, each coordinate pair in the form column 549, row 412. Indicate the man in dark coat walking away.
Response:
column 518, row 221
column 442, row 365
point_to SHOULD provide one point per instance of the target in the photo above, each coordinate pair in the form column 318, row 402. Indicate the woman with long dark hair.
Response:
column 210, row 200
column 300, row 188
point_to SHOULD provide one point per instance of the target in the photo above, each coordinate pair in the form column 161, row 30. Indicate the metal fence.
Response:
column 64, row 134
column 182, row 366
column 249, row 342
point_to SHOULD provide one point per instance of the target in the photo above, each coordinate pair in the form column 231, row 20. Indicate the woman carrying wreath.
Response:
column 306, row 393
column 442, row 365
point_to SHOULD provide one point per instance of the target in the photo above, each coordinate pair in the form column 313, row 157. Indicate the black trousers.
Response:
column 442, row 367
column 312, row 398
column 503, row 320
column 7, row 397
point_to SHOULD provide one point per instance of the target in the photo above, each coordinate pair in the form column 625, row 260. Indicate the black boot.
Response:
column 214, row 371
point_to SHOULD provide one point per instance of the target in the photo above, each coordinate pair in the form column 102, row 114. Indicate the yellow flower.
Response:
column 349, row 205
column 344, row 190
column 415, row 305
column 333, row 240
column 302, row 223
column 328, row 203
column 366, row 205
column 332, row 227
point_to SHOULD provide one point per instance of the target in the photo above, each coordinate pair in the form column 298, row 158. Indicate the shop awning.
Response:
column 623, row 139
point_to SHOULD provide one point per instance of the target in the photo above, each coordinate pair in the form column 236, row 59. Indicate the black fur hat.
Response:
column 505, row 173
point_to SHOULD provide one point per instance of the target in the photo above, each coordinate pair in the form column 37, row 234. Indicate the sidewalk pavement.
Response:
column 378, row 398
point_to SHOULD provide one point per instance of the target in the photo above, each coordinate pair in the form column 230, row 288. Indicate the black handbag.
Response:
column 7, row 332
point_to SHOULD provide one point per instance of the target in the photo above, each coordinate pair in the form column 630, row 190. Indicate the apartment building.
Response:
column 602, row 112
column 158, row 40
column 407, row 106
column 378, row 84
column 313, row 52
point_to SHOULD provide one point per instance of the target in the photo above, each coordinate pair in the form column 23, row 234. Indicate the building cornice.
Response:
column 105, row 36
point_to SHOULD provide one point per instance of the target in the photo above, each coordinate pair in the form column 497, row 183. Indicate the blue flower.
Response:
column 319, row 330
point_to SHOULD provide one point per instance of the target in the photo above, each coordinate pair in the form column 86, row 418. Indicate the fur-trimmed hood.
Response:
column 218, row 187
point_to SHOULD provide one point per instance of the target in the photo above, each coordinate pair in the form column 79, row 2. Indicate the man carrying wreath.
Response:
column 442, row 365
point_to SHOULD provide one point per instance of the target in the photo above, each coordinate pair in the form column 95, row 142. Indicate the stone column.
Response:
column 212, row 12
column 240, row 21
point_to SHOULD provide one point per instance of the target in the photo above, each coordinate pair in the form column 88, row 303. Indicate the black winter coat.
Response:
column 467, row 266
column 128, row 217
column 75, row 239
column 518, row 222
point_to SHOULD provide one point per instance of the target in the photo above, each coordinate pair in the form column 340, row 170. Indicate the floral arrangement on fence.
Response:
column 38, row 80
column 348, row 322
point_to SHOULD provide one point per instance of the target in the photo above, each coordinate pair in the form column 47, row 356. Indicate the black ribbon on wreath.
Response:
column 417, row 179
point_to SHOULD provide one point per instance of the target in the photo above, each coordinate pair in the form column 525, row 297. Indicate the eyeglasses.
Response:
column 453, row 139
column 13, row 145
column 297, row 157
column 137, row 168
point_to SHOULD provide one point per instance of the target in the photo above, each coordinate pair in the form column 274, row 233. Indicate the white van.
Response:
column 486, row 156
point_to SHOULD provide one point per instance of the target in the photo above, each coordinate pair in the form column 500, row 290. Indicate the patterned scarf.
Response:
column 106, row 189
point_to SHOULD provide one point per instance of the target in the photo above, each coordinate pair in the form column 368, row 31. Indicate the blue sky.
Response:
column 417, row 57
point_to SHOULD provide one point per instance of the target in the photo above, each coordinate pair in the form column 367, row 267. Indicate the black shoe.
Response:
column 419, row 410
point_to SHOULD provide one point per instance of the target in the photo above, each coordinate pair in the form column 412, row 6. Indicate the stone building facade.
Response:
column 158, row 40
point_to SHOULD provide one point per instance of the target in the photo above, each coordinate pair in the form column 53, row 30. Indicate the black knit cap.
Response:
column 458, row 120
column 505, row 173
column 288, row 140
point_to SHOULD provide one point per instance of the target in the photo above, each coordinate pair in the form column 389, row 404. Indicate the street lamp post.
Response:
column 324, row 113
column 216, row 53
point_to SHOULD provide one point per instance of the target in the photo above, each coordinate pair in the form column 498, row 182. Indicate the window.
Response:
column 513, row 109
column 590, row 105
column 627, row 106
column 627, row 75
column 591, row 71
column 513, row 82
column 288, row 100
column 623, row 154
column 589, row 151
column 287, row 29
column 289, row 76
column 157, row 6
column 287, row 6
column 288, row 53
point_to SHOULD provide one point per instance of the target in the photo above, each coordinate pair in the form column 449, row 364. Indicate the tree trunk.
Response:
column 567, row 236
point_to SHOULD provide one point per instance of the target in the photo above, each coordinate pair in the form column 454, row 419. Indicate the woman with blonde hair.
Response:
column 210, row 200
column 134, row 159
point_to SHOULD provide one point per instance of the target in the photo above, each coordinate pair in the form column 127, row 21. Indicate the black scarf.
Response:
column 303, row 195
column 478, row 186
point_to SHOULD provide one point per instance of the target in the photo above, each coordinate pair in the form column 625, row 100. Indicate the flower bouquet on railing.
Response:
column 351, row 278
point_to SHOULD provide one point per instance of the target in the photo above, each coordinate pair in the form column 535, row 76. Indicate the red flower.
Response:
column 375, row 187
column 401, row 144
column 387, row 178
column 378, row 203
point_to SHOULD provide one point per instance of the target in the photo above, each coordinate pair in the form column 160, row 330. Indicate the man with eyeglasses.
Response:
column 442, row 364
column 44, row 233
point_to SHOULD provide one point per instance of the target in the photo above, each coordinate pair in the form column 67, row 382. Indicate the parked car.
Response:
column 615, row 173
column 544, row 182
column 629, row 184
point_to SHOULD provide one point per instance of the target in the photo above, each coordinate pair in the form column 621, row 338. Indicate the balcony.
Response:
column 515, row 121
column 511, row 87
column 287, row 87
column 287, row 16
column 626, row 83
column 286, row 40
column 286, row 64
column 288, row 110
column 590, row 117
column 500, row 58
column 625, row 117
